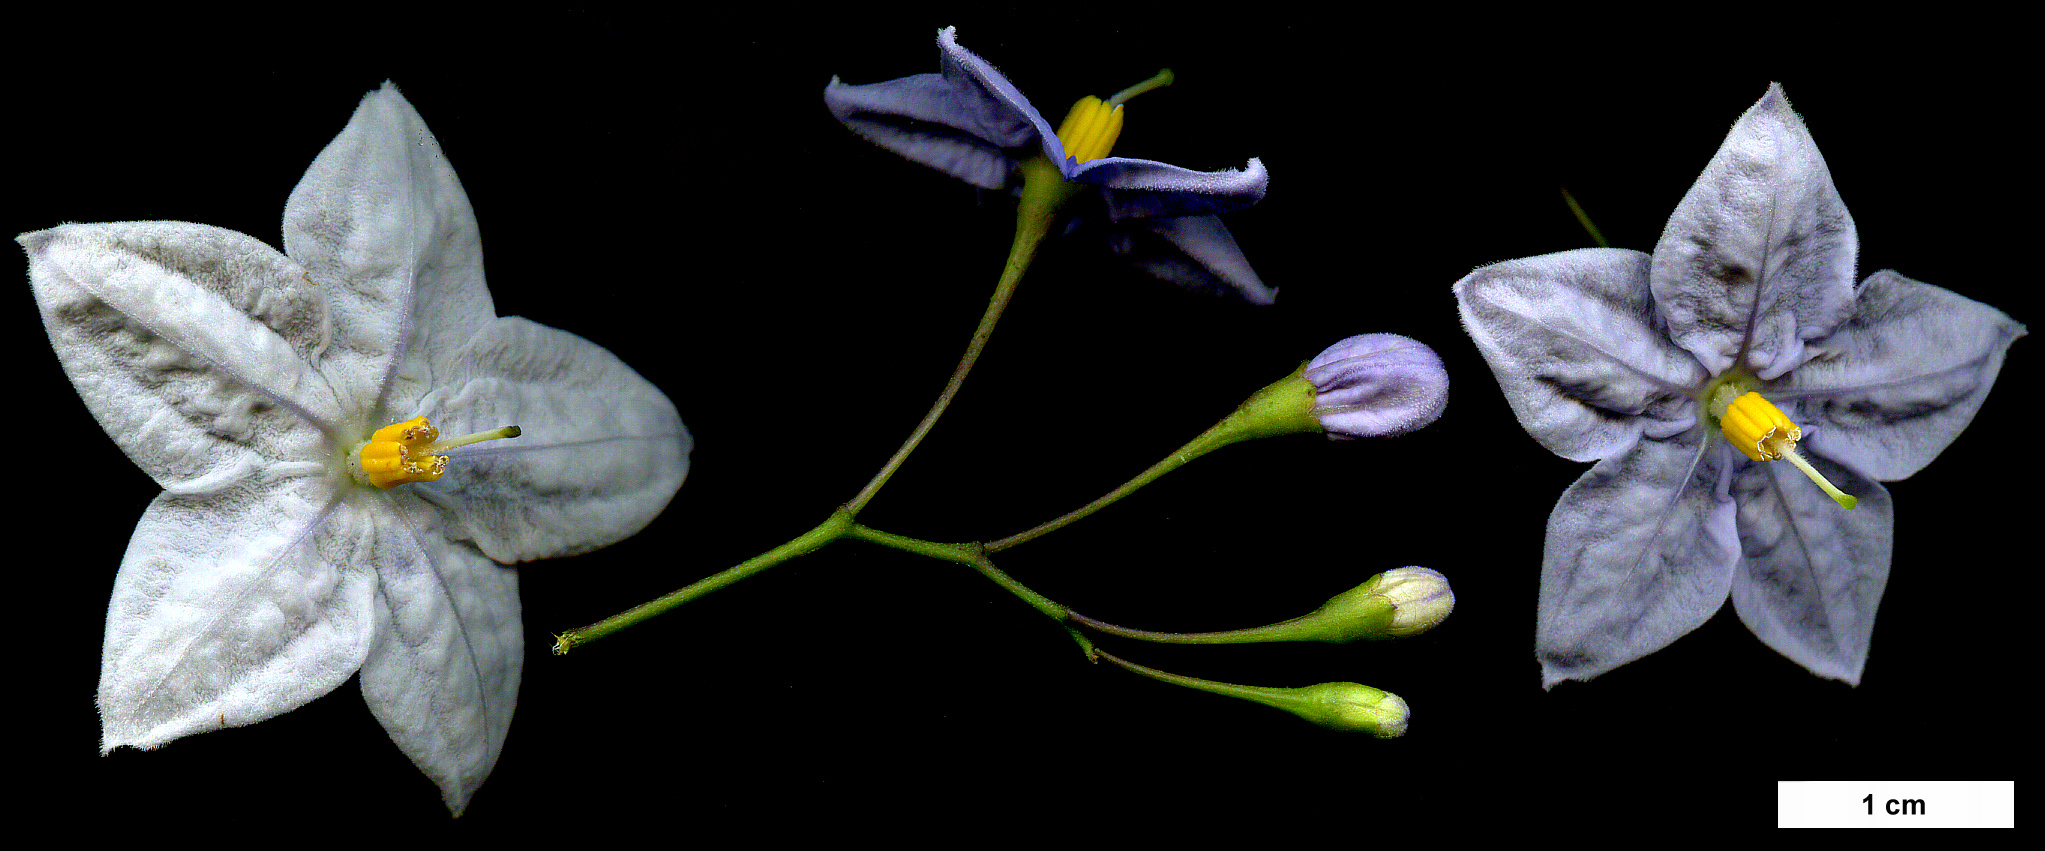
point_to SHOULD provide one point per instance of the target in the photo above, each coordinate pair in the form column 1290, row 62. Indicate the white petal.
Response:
column 443, row 672
column 232, row 608
column 1759, row 255
column 380, row 221
column 1811, row 573
column 602, row 450
column 1577, row 349
column 1640, row 551
column 190, row 344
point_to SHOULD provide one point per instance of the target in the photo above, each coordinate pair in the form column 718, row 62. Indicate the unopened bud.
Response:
column 1420, row 599
column 1353, row 707
column 1377, row 385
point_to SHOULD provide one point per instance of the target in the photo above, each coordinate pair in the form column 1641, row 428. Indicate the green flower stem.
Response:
column 830, row 530
column 973, row 555
column 1271, row 632
column 1281, row 408
column 839, row 525
column 970, row 554
column 1584, row 219
column 1259, row 695
column 1044, row 189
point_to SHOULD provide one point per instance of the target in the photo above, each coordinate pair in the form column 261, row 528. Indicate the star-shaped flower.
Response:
column 970, row 122
column 301, row 537
column 1662, row 369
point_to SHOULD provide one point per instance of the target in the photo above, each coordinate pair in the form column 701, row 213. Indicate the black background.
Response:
column 673, row 189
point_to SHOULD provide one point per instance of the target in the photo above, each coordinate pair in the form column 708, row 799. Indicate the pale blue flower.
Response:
column 1627, row 359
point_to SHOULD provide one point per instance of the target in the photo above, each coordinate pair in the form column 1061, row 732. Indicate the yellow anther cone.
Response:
column 1090, row 129
column 407, row 452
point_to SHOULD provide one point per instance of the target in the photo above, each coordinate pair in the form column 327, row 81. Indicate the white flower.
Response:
column 246, row 382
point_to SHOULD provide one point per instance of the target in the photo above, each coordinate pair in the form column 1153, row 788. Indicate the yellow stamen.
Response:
column 1089, row 130
column 1763, row 432
column 407, row 452
column 1758, row 428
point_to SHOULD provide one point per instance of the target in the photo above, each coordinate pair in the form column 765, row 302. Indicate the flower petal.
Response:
column 967, row 121
column 1142, row 189
column 1899, row 381
column 1640, row 551
column 382, row 225
column 231, row 607
column 190, row 344
column 1578, row 350
column 602, row 450
column 1811, row 573
column 1195, row 252
column 443, row 670
column 1759, row 255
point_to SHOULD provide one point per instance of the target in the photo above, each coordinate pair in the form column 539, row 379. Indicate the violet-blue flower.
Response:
column 970, row 122
column 1742, row 339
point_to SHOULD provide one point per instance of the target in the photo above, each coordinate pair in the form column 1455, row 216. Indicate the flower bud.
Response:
column 1349, row 707
column 1353, row 707
column 1420, row 598
column 1377, row 385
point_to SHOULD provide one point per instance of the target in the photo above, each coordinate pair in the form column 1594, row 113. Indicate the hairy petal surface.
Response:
column 1759, row 255
column 230, row 608
column 601, row 453
column 1810, row 573
column 967, row 121
column 1578, row 350
column 444, row 664
column 382, row 225
column 1142, row 189
column 188, row 343
column 1894, row 385
column 1640, row 551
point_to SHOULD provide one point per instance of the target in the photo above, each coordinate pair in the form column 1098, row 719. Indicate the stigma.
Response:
column 407, row 452
column 1763, row 432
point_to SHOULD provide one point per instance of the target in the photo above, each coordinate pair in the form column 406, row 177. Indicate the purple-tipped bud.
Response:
column 1377, row 385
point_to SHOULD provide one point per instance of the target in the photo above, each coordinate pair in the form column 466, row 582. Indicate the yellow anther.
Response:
column 407, row 452
column 1764, row 433
column 1758, row 428
column 1089, row 130
column 392, row 456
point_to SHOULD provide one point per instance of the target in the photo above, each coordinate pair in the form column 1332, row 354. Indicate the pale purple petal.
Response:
column 1898, row 382
column 1759, row 255
column 967, row 121
column 1578, row 349
column 1811, row 573
column 1640, row 551
column 1141, row 189
column 1194, row 252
